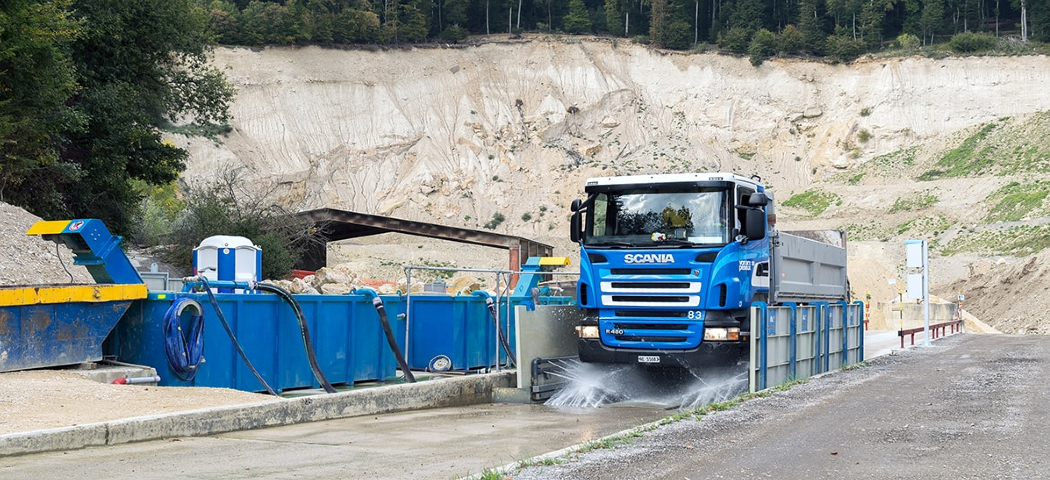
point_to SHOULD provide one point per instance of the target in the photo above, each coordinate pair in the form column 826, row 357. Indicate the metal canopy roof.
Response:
column 342, row 224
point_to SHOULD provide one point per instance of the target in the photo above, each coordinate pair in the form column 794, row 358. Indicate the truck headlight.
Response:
column 587, row 331
column 731, row 334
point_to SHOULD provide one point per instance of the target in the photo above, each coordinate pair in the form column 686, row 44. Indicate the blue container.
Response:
column 462, row 329
column 345, row 331
column 458, row 327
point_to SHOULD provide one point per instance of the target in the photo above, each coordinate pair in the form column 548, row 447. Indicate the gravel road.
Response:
column 969, row 406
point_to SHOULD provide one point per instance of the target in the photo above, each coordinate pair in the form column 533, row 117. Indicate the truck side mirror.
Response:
column 757, row 199
column 754, row 223
column 574, row 224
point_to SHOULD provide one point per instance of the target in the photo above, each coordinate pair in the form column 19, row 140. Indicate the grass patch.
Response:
column 814, row 202
column 931, row 224
column 1017, row 241
column 967, row 159
column 998, row 148
column 1015, row 201
column 917, row 201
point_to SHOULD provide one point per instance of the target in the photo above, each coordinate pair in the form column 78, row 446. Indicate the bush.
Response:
column 908, row 41
column 454, row 34
column 735, row 40
column 969, row 42
column 763, row 45
column 497, row 219
column 791, row 40
column 224, row 207
column 844, row 48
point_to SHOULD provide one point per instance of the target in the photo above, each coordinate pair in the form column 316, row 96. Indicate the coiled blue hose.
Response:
column 184, row 352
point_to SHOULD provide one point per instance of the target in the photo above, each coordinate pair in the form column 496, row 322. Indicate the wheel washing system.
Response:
column 228, row 330
column 225, row 329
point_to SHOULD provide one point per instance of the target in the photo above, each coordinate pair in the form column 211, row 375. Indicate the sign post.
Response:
column 918, row 260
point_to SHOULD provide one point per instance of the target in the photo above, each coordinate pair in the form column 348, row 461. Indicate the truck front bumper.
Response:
column 708, row 353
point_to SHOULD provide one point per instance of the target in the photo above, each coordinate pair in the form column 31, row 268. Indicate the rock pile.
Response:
column 342, row 280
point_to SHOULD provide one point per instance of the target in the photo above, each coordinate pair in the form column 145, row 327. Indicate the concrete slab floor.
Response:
column 440, row 443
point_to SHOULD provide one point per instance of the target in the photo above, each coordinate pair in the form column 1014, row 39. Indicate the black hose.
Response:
column 378, row 304
column 310, row 355
column 184, row 350
column 499, row 331
column 233, row 338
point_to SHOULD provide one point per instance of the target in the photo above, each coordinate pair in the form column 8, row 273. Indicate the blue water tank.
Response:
column 225, row 257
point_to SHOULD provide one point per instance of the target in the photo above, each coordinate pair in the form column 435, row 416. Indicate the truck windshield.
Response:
column 647, row 217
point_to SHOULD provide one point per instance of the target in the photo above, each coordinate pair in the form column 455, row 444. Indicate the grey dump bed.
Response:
column 808, row 266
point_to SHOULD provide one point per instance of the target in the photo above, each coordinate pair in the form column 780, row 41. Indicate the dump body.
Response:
column 52, row 325
column 808, row 266
column 670, row 264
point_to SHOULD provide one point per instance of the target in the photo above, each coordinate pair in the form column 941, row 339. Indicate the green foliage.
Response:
column 160, row 208
column 917, row 201
column 969, row 42
column 104, row 75
column 863, row 135
column 813, row 202
column 907, row 41
column 966, row 159
column 37, row 77
column 791, row 40
column 141, row 64
column 1017, row 240
column 526, row 216
column 804, row 26
column 577, row 20
column 1016, row 201
column 735, row 40
column 763, row 45
column 844, row 48
column 495, row 221
column 454, row 33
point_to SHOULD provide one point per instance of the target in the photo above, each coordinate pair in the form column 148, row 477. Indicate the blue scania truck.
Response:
column 670, row 265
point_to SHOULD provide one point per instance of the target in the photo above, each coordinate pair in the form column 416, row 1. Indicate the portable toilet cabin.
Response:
column 230, row 258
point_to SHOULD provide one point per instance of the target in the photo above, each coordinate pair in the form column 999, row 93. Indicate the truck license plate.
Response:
column 648, row 359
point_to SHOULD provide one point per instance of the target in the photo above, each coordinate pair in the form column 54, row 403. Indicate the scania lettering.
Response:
column 670, row 265
column 648, row 258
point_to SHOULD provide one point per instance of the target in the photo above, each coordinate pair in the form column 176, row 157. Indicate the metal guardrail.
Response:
column 955, row 326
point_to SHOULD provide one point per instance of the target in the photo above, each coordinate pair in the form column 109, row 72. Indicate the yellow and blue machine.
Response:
column 52, row 325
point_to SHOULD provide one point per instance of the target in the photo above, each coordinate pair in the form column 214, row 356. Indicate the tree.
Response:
column 140, row 65
column 790, row 40
column 614, row 18
column 811, row 24
column 668, row 28
column 36, row 78
column 577, row 20
column 763, row 45
column 931, row 19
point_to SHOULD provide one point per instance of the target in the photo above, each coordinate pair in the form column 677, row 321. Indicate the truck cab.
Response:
column 669, row 266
